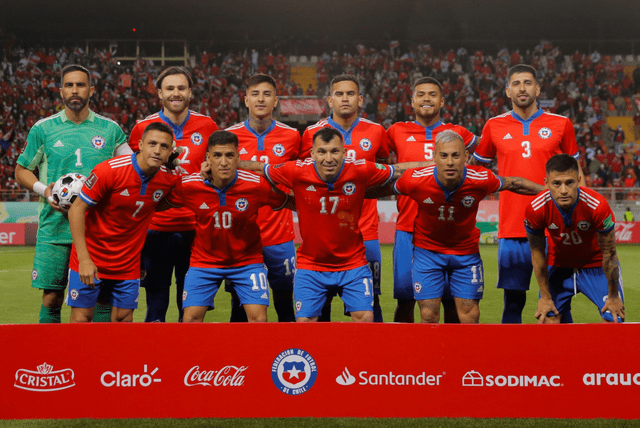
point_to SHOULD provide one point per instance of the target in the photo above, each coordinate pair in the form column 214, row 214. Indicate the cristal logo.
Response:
column 45, row 379
column 226, row 376
column 390, row 378
column 345, row 378
column 473, row 378
column 126, row 380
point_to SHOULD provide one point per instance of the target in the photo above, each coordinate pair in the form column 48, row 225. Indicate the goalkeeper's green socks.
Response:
column 49, row 315
column 102, row 313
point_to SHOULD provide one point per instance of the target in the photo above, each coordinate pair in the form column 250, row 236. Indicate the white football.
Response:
column 67, row 188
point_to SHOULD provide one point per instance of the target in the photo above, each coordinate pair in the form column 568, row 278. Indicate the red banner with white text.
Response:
column 319, row 370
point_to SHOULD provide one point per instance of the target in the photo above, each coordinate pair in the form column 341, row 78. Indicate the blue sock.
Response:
column 157, row 304
column 513, row 306
column 284, row 309
column 377, row 314
column 237, row 311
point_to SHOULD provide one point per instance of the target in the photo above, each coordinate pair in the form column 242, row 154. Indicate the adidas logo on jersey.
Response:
column 204, row 206
column 508, row 137
column 243, row 151
column 311, row 188
column 428, row 201
column 552, row 226
column 58, row 144
column 412, row 138
column 125, row 192
column 264, row 296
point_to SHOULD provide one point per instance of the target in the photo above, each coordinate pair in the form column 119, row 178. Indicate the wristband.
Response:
column 39, row 188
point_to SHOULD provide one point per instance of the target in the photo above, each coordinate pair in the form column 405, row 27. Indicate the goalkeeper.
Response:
column 73, row 140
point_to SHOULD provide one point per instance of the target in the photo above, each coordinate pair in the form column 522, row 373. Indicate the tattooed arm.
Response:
column 611, row 267
column 546, row 306
column 521, row 185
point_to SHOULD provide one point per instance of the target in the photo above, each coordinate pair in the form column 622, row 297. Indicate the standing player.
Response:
column 446, row 253
column 414, row 142
column 363, row 139
column 522, row 140
column 171, row 232
column 109, row 221
column 263, row 139
column 227, row 244
column 582, row 254
column 74, row 140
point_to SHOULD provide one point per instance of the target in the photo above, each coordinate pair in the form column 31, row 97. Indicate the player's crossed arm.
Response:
column 611, row 267
column 521, row 186
column 375, row 192
column 546, row 306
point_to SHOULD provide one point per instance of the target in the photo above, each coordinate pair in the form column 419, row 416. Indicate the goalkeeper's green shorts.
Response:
column 51, row 266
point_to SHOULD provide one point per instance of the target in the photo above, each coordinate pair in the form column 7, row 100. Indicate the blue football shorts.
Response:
column 434, row 272
column 514, row 264
column 311, row 288
column 250, row 284
column 564, row 283
column 374, row 260
column 121, row 293
column 403, row 265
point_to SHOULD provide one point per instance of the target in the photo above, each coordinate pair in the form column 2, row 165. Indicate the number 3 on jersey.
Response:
column 526, row 147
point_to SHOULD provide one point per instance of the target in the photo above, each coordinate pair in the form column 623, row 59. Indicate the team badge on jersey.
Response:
column 349, row 188
column 184, row 295
column 157, row 195
column 417, row 286
column 98, row 142
column 544, row 133
column 294, row 371
column 196, row 138
column 584, row 225
column 468, row 201
column 278, row 150
column 298, row 305
column 365, row 144
column 74, row 294
column 242, row 204
column 34, row 275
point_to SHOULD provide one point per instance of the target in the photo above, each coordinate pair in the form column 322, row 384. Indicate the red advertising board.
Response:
column 12, row 234
column 319, row 370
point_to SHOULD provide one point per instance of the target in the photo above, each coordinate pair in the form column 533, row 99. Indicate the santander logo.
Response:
column 346, row 378
column 45, row 379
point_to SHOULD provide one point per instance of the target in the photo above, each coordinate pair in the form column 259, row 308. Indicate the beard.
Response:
column 75, row 104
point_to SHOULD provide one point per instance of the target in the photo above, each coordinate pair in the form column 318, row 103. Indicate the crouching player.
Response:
column 119, row 199
column 582, row 253
column 227, row 244
column 446, row 251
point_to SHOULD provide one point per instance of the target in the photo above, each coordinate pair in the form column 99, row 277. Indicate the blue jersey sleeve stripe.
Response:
column 533, row 231
column 607, row 230
column 481, row 158
column 391, row 174
column 267, row 176
column 87, row 199
column 472, row 143
column 395, row 188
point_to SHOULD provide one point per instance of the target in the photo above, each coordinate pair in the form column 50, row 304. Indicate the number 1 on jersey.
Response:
column 323, row 203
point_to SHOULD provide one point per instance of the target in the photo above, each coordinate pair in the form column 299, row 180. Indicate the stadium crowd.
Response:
column 584, row 87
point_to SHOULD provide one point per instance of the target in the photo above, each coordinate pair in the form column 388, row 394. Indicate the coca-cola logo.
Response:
column 624, row 232
column 226, row 376
column 45, row 379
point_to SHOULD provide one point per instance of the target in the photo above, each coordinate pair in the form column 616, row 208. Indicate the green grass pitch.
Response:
column 20, row 304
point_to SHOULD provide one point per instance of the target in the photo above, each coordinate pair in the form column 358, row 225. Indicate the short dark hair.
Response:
column 562, row 163
column 327, row 134
column 75, row 67
column 170, row 71
column 157, row 126
column 222, row 138
column 428, row 80
column 522, row 68
column 346, row 78
column 256, row 79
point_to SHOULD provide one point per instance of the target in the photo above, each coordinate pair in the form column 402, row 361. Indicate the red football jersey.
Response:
column 522, row 148
column 446, row 221
column 412, row 142
column 227, row 233
column 364, row 140
column 571, row 237
column 329, row 213
column 279, row 143
column 123, row 201
column 192, row 135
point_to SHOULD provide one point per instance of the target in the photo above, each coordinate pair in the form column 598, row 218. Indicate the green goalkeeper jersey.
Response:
column 57, row 146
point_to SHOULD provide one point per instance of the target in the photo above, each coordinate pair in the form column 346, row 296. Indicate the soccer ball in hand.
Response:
column 67, row 188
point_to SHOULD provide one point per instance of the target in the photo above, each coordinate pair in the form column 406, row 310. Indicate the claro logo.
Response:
column 473, row 378
column 126, row 380
column 596, row 379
